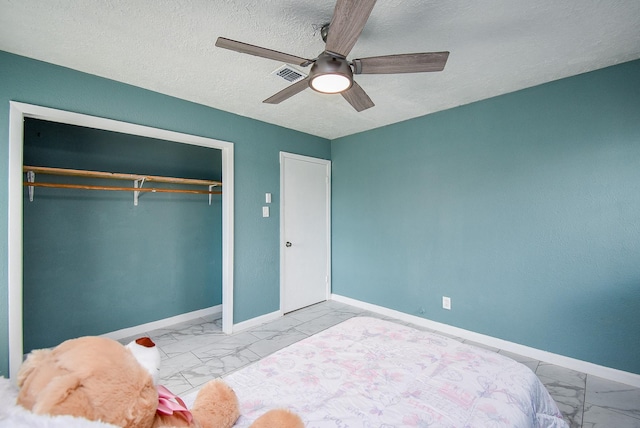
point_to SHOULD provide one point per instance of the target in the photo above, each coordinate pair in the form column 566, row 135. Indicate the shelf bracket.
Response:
column 31, row 177
column 137, row 184
column 211, row 186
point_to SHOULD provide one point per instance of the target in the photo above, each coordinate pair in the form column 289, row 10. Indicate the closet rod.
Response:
column 118, row 176
column 130, row 189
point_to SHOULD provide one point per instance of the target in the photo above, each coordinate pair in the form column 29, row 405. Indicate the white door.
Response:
column 305, row 225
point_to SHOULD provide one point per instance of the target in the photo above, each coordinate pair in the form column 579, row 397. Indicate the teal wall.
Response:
column 524, row 209
column 257, row 147
column 88, row 252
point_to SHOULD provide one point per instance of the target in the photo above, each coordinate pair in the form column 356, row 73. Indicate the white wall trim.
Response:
column 143, row 329
column 18, row 112
column 571, row 363
column 14, row 252
column 254, row 322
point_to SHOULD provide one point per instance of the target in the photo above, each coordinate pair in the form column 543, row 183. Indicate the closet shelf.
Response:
column 138, row 182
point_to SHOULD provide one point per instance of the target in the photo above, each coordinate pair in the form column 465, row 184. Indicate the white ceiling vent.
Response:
column 289, row 73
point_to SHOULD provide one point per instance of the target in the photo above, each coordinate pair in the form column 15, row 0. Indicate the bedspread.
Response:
column 367, row 372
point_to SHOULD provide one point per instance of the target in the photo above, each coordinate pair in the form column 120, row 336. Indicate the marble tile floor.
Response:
column 197, row 351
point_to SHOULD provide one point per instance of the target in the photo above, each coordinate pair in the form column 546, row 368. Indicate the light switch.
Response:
column 265, row 211
column 267, row 198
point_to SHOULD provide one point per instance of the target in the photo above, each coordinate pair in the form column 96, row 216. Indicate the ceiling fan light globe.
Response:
column 330, row 74
column 330, row 83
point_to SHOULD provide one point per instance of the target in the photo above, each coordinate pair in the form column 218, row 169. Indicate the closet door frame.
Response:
column 20, row 111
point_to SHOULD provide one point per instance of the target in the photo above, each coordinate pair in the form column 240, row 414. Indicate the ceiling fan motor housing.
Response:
column 330, row 67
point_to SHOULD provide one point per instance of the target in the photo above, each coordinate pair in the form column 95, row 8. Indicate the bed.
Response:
column 367, row 372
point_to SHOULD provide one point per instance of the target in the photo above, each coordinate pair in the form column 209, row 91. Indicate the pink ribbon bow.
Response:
column 169, row 404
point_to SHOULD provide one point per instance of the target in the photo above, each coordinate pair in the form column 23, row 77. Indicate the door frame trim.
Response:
column 18, row 111
column 327, row 164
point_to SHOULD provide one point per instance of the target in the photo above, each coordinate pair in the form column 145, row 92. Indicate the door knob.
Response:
column 288, row 244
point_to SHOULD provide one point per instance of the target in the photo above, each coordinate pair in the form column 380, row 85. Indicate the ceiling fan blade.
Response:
column 349, row 18
column 403, row 63
column 288, row 92
column 358, row 98
column 262, row 52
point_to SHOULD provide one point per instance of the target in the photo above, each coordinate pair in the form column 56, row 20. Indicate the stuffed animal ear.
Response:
column 33, row 361
column 54, row 398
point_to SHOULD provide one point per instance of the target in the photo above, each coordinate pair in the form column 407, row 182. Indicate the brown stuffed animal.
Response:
column 101, row 380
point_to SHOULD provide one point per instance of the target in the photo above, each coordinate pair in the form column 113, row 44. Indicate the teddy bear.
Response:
column 100, row 379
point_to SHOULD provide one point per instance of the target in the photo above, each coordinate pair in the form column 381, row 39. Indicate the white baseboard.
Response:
column 560, row 360
column 141, row 329
column 254, row 322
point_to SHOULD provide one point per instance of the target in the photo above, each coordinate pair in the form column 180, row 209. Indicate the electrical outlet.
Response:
column 446, row 302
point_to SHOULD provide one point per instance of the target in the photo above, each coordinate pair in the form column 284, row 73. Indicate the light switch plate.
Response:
column 265, row 211
column 446, row 302
column 267, row 198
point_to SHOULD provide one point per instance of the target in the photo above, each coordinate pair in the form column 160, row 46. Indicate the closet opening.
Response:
column 88, row 261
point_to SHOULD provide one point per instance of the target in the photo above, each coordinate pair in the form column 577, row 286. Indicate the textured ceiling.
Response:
column 497, row 46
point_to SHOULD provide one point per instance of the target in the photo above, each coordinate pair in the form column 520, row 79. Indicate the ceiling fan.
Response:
column 331, row 72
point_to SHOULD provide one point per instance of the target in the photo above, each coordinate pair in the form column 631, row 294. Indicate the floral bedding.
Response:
column 367, row 372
